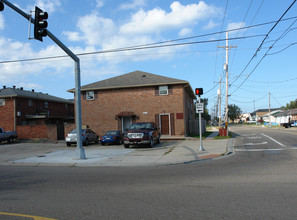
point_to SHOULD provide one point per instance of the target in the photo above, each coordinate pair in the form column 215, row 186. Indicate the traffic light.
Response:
column 1, row 6
column 199, row 91
column 40, row 24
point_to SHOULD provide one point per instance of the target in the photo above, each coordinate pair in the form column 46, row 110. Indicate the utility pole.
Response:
column 220, row 101
column 269, row 111
column 227, row 72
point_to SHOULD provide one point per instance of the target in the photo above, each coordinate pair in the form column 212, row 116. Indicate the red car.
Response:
column 142, row 133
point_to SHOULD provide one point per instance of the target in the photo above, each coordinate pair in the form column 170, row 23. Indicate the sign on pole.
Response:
column 199, row 108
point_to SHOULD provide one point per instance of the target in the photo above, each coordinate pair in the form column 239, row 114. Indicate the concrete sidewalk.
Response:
column 165, row 153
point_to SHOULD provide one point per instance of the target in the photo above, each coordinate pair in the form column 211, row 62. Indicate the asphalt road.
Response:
column 258, row 182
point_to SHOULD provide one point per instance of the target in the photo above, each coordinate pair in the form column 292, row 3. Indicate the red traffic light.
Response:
column 199, row 91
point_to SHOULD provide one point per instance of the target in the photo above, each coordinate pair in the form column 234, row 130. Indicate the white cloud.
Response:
column 99, row 3
column 185, row 32
column 48, row 5
column 157, row 20
column 235, row 25
column 210, row 25
column 135, row 4
column 94, row 30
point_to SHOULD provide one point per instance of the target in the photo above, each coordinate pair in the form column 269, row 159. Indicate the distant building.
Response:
column 19, row 107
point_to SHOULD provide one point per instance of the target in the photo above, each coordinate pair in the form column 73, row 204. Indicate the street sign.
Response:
column 199, row 108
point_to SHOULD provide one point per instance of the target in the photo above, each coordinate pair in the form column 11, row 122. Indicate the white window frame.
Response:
column 90, row 95
column 163, row 90
column 2, row 102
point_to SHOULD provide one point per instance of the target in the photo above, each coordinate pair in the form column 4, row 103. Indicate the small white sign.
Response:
column 199, row 108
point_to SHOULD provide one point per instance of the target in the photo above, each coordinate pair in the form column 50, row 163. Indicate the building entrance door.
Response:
column 126, row 122
column 165, row 124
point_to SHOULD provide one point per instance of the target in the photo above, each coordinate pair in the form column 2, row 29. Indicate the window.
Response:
column 90, row 95
column 46, row 104
column 2, row 102
column 163, row 90
column 30, row 102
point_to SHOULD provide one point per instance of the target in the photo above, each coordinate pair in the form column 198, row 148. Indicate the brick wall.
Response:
column 100, row 113
column 38, row 131
column 7, row 115
column 32, row 131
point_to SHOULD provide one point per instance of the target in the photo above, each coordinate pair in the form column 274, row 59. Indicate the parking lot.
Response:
column 58, row 154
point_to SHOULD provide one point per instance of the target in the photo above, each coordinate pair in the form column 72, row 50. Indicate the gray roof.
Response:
column 20, row 92
column 133, row 79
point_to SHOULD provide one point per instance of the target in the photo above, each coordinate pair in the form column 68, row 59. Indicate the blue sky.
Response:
column 100, row 25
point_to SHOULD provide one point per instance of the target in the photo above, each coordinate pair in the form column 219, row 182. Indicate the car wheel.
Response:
column 102, row 143
column 126, row 145
column 151, row 144
column 158, row 140
column 68, row 144
column 97, row 140
column 9, row 140
column 86, row 143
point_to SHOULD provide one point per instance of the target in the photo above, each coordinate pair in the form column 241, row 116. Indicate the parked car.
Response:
column 293, row 123
column 142, row 133
column 8, row 136
column 88, row 136
column 112, row 137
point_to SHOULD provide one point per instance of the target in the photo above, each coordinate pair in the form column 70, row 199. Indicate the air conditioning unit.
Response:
column 19, row 114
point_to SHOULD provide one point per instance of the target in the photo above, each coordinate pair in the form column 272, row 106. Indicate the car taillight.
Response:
column 114, row 137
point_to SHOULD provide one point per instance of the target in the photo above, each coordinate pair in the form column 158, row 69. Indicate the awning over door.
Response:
column 126, row 114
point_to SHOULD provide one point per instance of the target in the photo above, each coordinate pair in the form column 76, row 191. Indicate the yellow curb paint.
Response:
column 27, row 216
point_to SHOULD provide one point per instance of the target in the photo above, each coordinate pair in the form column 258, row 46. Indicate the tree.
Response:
column 234, row 112
column 292, row 104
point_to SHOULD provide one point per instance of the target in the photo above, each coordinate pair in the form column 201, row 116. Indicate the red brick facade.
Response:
column 17, row 111
column 109, row 108
column 7, row 115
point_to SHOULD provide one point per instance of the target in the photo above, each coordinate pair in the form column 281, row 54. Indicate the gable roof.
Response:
column 134, row 79
column 19, row 92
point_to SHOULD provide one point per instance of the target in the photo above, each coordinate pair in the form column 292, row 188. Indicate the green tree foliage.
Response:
column 292, row 104
column 234, row 112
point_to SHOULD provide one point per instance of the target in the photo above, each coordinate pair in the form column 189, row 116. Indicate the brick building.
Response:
column 115, row 103
column 20, row 108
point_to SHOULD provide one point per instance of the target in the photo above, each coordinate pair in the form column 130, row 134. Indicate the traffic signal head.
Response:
column 40, row 24
column 199, row 91
column 1, row 6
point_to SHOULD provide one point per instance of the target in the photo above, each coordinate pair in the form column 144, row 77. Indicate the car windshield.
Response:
column 74, row 131
column 111, row 133
column 141, row 126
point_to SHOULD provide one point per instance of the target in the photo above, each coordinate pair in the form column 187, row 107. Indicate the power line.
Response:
column 128, row 49
column 259, row 48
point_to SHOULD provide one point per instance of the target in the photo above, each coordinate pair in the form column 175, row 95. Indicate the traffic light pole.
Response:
column 201, row 148
column 80, row 149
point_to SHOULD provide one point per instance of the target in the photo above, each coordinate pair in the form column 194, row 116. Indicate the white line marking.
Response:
column 253, row 144
column 277, row 149
column 273, row 140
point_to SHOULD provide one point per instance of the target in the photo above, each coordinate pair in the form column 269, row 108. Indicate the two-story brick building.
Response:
column 115, row 103
column 19, row 107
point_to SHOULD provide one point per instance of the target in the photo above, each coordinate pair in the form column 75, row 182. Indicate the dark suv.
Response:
column 142, row 133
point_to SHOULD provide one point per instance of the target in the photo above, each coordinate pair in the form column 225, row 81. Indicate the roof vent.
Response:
column 22, row 88
column 4, row 87
column 13, row 86
column 33, row 90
